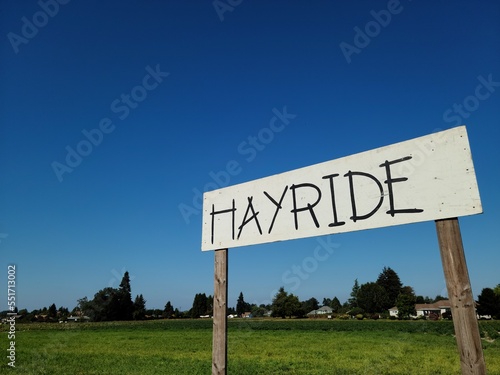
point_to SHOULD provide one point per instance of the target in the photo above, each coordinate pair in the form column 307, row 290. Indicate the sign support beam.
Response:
column 219, row 344
column 460, row 296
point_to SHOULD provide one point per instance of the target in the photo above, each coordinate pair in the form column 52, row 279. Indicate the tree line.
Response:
column 371, row 299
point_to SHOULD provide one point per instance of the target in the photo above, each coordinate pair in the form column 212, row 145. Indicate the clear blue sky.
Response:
column 175, row 90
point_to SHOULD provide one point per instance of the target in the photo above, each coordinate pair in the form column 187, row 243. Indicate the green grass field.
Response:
column 254, row 347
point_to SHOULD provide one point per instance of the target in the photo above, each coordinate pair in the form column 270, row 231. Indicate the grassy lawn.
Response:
column 254, row 347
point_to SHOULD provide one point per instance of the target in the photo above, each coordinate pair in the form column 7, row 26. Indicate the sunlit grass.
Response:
column 254, row 347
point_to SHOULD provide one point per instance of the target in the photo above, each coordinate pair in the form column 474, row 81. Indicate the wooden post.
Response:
column 219, row 340
column 460, row 296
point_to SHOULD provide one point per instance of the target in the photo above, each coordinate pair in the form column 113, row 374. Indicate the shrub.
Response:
column 447, row 315
column 359, row 316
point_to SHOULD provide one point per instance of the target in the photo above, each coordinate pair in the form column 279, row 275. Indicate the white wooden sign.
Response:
column 426, row 178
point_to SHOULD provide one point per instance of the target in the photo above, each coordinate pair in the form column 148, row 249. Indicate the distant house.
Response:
column 77, row 318
column 321, row 312
column 246, row 314
column 393, row 311
column 436, row 309
column 429, row 310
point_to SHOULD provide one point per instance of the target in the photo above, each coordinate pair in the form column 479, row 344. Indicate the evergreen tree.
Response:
column 488, row 303
column 199, row 305
column 139, row 308
column 241, row 305
column 210, row 305
column 62, row 311
column 336, row 305
column 52, row 311
column 169, row 311
column 327, row 302
column 293, row 307
column 422, row 299
column 310, row 305
column 124, row 302
column 439, row 298
column 389, row 280
column 353, row 301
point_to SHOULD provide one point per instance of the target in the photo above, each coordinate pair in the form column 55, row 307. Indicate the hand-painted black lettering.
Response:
column 355, row 215
column 389, row 183
column 254, row 216
column 335, row 223
column 309, row 207
column 213, row 213
column 278, row 205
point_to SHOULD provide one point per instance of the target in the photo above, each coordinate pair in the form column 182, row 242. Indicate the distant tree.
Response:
column 258, row 311
column 169, row 311
column 310, row 305
column 124, row 299
column 353, row 301
column 285, row 304
column 406, row 303
column 327, row 302
column 210, row 305
column 372, row 298
column 63, row 312
column 439, row 298
column 139, row 308
column 20, row 312
column 389, row 280
column 336, row 305
column 52, row 311
column 497, row 290
column 200, row 306
column 103, row 307
column 488, row 303
column 278, row 304
column 422, row 299
column 241, row 305
column 83, row 307
column 293, row 307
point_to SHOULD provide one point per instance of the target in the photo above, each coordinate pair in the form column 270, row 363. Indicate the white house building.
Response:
column 322, row 311
column 436, row 309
